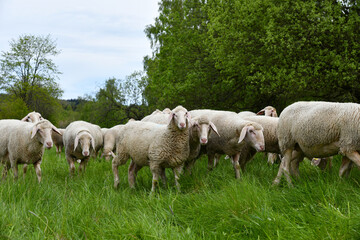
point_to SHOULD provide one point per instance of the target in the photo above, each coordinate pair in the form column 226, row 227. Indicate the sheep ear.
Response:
column 56, row 130
column 273, row 113
column 171, row 116
column 34, row 131
column 93, row 143
column 243, row 134
column 76, row 142
column 24, row 119
column 188, row 116
column 213, row 127
column 261, row 112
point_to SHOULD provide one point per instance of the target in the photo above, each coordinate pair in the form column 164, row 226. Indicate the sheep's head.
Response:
column 268, row 111
column 202, row 127
column 84, row 139
column 253, row 134
column 33, row 117
column 43, row 130
column 180, row 117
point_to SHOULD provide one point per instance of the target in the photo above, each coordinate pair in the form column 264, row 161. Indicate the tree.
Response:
column 116, row 102
column 28, row 72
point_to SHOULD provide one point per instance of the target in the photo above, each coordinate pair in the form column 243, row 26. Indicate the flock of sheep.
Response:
column 176, row 138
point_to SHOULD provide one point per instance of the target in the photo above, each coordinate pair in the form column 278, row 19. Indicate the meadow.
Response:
column 211, row 205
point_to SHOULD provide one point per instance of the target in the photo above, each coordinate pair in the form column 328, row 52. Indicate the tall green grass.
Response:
column 211, row 205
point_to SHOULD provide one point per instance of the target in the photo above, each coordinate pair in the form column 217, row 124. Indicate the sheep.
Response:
column 246, row 114
column 110, row 140
column 158, row 146
column 58, row 140
column 199, row 131
column 78, row 137
column 268, row 111
column 157, row 116
column 198, row 136
column 32, row 117
column 302, row 133
column 269, row 125
column 234, row 134
column 24, row 143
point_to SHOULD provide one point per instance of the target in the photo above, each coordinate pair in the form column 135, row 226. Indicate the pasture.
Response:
column 211, row 205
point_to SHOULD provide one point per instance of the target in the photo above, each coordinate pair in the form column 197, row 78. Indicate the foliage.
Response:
column 247, row 54
column 28, row 72
column 116, row 102
column 12, row 107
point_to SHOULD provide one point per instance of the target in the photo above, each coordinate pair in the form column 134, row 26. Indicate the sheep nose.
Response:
column 262, row 147
column 203, row 140
column 86, row 153
column 182, row 125
column 49, row 144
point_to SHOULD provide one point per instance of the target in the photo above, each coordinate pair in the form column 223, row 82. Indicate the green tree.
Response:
column 180, row 70
column 28, row 72
column 116, row 102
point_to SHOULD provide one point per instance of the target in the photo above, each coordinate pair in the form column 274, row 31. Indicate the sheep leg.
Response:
column 25, row 167
column 189, row 166
column 132, row 173
column 284, row 167
column 156, row 172
column 236, row 164
column 177, row 172
column 345, row 167
column 5, row 171
column 83, row 164
column 163, row 177
column 216, row 159
column 38, row 170
column 15, row 170
column 296, row 157
column 70, row 160
column 211, row 161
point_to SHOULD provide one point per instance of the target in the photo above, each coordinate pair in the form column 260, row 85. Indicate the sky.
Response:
column 98, row 39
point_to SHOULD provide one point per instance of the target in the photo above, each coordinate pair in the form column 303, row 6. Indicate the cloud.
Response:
column 97, row 39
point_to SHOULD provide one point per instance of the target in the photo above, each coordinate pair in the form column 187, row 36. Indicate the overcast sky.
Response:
column 98, row 39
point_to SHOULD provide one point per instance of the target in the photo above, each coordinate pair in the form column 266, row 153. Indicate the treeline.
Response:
column 231, row 55
column 246, row 54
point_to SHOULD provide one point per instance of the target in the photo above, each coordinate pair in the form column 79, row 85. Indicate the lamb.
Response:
column 58, row 140
column 234, row 134
column 110, row 140
column 199, row 131
column 24, row 143
column 78, row 137
column 269, row 125
column 158, row 146
column 302, row 133
column 270, row 112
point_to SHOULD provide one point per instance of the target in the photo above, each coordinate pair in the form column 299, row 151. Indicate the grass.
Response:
column 211, row 205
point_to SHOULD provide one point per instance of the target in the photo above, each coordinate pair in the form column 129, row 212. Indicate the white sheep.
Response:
column 80, row 140
column 23, row 143
column 32, row 117
column 158, row 146
column 302, row 133
column 269, row 125
column 234, row 134
column 199, row 131
column 110, row 140
column 58, row 140
column 268, row 111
